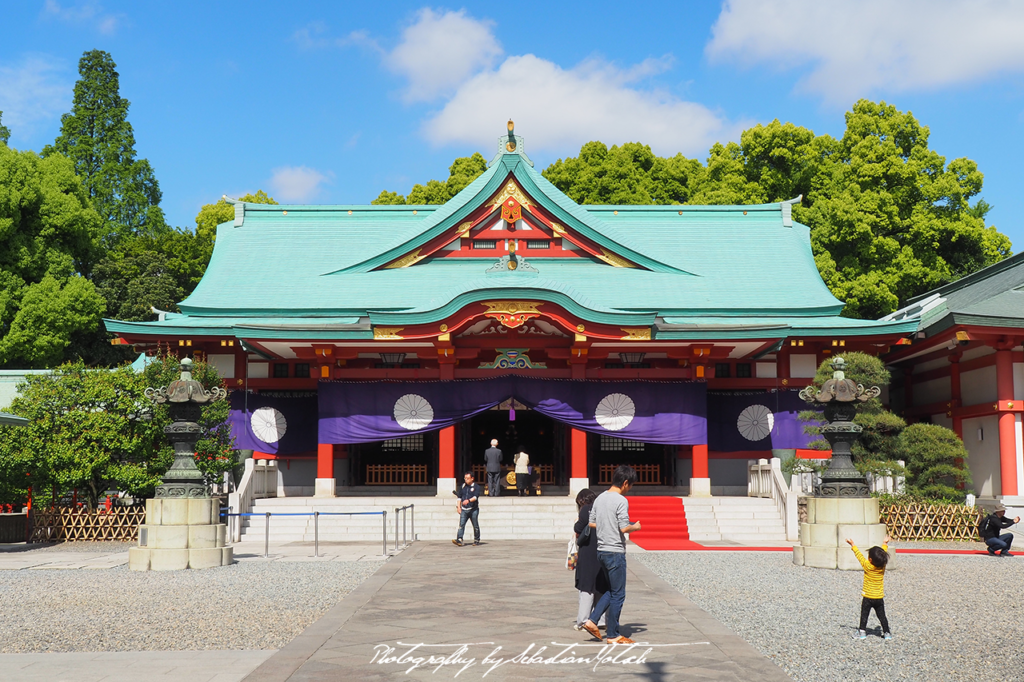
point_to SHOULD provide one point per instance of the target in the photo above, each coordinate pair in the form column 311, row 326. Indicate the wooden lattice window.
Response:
column 613, row 444
column 485, row 244
column 413, row 443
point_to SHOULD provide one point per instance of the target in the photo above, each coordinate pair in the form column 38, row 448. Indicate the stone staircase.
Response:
column 746, row 520
column 502, row 518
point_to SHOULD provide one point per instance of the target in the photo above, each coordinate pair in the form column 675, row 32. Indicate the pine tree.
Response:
column 98, row 138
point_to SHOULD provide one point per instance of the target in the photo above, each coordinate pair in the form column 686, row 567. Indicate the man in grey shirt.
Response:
column 609, row 519
column 492, row 458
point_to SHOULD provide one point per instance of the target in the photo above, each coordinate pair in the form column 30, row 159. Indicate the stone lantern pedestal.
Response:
column 829, row 522
column 183, row 528
column 181, row 533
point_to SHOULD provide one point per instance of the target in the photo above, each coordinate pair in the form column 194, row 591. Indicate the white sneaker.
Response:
column 887, row 636
column 861, row 635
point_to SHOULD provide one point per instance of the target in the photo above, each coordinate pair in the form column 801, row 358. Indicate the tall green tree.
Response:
column 889, row 218
column 463, row 171
column 47, row 240
column 98, row 138
column 5, row 132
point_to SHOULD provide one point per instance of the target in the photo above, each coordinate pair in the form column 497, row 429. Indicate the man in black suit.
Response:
column 492, row 457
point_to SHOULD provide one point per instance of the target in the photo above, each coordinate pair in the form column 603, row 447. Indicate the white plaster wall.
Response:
column 983, row 455
column 765, row 370
column 224, row 364
column 803, row 366
column 259, row 370
column 1018, row 451
column 933, row 391
column 978, row 386
column 942, row 420
column 1018, row 381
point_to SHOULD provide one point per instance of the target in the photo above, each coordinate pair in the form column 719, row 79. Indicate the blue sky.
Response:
column 332, row 102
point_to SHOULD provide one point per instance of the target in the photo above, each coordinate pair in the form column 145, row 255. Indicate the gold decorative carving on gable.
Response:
column 510, row 190
column 613, row 259
column 406, row 260
column 512, row 314
column 558, row 228
column 636, row 333
column 464, row 227
column 387, row 333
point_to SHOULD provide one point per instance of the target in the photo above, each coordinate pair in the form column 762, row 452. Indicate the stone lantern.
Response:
column 182, row 528
column 841, row 506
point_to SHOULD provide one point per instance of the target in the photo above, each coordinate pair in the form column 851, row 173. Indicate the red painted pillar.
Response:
column 700, row 461
column 1007, row 432
column 446, row 453
column 578, row 448
column 325, row 460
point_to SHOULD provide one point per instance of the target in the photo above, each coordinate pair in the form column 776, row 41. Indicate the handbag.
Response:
column 572, row 555
column 584, row 537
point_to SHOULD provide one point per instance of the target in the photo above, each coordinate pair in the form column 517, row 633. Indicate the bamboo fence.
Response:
column 922, row 521
column 119, row 524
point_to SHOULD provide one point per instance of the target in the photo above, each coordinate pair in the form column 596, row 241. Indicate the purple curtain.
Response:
column 288, row 424
column 665, row 412
column 740, row 421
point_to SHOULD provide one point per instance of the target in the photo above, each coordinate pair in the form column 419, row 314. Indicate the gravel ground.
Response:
column 947, row 613
column 248, row 605
column 70, row 547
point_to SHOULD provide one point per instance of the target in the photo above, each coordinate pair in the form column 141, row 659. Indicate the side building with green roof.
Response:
column 387, row 345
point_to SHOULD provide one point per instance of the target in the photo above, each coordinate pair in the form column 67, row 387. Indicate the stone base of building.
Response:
column 445, row 486
column 578, row 484
column 180, row 534
column 700, row 487
column 324, row 487
column 830, row 522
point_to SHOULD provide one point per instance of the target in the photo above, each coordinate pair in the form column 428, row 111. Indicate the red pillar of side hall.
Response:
column 1007, row 422
column 446, row 460
column 578, row 477
column 324, row 485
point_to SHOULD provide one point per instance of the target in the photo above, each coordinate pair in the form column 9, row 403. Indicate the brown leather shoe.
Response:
column 592, row 629
column 621, row 639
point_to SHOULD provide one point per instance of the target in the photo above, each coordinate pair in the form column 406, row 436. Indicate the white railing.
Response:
column 764, row 479
column 258, row 481
column 893, row 485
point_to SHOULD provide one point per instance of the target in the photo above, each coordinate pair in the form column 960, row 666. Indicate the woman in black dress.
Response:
column 590, row 579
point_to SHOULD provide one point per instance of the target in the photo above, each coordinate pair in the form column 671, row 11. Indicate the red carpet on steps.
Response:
column 662, row 523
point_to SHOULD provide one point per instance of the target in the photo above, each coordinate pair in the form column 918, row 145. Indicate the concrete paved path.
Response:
column 515, row 595
column 132, row 666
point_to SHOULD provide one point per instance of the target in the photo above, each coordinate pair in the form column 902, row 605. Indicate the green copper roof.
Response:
column 991, row 297
column 318, row 269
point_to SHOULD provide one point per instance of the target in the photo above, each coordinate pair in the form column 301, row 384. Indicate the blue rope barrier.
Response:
column 307, row 514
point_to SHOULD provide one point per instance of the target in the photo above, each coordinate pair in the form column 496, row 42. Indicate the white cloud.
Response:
column 86, row 13
column 295, row 184
column 854, row 49
column 32, row 92
column 594, row 100
column 440, row 50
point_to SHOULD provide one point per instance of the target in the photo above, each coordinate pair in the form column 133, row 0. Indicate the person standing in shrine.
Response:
column 522, row 461
column 492, row 458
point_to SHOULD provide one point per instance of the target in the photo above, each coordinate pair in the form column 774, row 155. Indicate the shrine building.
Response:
column 387, row 345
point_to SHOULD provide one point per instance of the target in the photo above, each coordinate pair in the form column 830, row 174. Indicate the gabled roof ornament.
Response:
column 510, row 144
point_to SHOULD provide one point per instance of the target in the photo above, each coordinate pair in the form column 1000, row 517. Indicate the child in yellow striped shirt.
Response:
column 873, row 594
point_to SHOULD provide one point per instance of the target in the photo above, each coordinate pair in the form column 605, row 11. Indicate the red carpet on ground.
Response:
column 662, row 523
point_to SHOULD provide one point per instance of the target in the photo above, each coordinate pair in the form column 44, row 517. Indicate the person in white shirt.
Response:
column 522, row 461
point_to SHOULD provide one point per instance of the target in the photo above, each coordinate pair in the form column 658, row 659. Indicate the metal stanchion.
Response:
column 405, row 538
column 396, row 529
column 413, row 522
column 384, row 526
column 266, row 539
column 316, row 534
